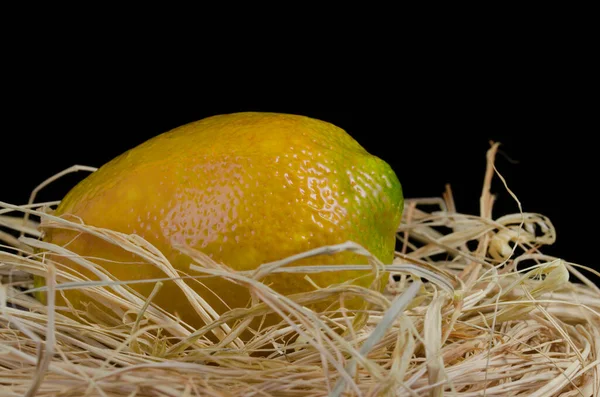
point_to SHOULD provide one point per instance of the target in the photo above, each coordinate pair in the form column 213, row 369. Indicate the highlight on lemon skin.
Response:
column 244, row 189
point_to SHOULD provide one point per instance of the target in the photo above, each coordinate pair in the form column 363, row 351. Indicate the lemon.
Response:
column 243, row 188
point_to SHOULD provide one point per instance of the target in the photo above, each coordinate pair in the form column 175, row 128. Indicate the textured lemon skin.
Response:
column 244, row 188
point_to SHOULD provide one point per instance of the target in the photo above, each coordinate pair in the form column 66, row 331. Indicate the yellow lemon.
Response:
column 245, row 189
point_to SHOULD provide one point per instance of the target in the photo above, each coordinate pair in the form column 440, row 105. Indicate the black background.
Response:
column 433, row 122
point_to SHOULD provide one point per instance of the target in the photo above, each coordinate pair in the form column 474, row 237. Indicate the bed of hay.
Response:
column 474, row 308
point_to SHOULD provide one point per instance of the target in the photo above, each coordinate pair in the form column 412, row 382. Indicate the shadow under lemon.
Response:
column 220, row 293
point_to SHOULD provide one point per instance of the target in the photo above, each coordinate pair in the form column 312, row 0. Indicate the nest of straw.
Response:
column 472, row 308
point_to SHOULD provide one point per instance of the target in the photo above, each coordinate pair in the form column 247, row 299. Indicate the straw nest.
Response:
column 473, row 309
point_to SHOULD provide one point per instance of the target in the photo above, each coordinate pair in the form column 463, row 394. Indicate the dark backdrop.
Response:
column 431, row 137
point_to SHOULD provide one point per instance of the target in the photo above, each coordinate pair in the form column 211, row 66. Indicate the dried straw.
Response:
column 475, row 309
